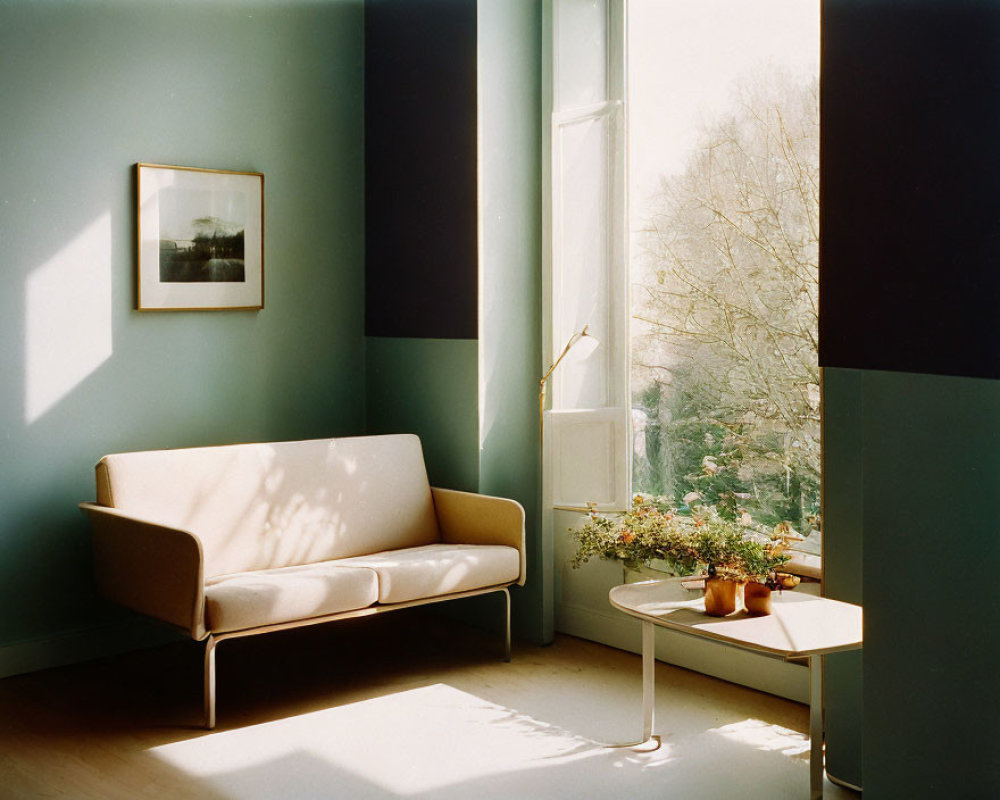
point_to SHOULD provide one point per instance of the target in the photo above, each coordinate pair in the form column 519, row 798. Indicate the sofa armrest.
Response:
column 150, row 568
column 468, row 518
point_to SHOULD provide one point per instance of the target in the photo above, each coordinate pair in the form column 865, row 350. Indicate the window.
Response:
column 683, row 230
column 724, row 226
column 586, row 431
column 665, row 406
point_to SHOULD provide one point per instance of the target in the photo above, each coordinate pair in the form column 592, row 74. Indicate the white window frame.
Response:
column 587, row 450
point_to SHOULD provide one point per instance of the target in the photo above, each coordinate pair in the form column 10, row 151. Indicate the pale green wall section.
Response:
column 87, row 90
column 428, row 387
column 932, row 610
column 911, row 481
column 843, row 528
column 510, row 51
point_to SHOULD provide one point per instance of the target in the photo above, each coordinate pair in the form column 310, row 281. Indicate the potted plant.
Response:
column 721, row 549
column 737, row 557
column 761, row 569
column 760, row 565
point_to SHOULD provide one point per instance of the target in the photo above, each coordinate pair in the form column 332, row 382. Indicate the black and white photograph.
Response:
column 205, row 247
column 200, row 238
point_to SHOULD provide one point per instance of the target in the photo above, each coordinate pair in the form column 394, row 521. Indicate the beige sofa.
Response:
column 244, row 539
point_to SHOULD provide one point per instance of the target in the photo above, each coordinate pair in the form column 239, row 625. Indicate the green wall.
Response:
column 421, row 299
column 912, row 473
column 510, row 200
column 909, row 346
column 932, row 611
column 86, row 91
column 843, row 529
column 273, row 86
column 474, row 401
column 428, row 387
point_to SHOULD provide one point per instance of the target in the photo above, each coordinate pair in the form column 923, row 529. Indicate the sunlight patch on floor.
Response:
column 404, row 744
column 764, row 736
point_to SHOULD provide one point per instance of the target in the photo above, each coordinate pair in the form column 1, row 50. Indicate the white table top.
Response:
column 800, row 625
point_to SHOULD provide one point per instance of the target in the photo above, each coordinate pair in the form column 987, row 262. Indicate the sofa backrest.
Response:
column 259, row 506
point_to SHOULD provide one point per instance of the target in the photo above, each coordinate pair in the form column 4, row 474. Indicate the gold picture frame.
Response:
column 200, row 239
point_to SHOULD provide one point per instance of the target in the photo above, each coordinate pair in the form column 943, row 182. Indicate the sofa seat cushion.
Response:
column 414, row 573
column 269, row 597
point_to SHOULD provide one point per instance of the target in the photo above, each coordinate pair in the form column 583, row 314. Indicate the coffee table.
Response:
column 802, row 629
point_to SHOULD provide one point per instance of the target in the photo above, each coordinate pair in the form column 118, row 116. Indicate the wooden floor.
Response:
column 87, row 730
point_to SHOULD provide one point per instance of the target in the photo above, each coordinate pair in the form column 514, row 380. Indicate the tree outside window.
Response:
column 725, row 375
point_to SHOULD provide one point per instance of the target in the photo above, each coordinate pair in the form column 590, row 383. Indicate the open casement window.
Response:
column 586, row 427
column 724, row 185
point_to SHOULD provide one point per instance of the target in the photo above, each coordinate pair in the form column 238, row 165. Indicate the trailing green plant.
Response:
column 644, row 533
column 702, row 538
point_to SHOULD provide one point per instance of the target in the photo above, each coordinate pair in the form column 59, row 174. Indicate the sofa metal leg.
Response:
column 506, row 593
column 210, row 682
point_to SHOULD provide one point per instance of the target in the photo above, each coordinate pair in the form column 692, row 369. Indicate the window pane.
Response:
column 581, row 276
column 581, row 78
column 724, row 137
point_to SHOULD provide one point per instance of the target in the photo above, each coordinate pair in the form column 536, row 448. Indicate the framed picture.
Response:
column 200, row 239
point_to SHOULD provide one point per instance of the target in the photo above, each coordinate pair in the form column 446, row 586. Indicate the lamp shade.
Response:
column 585, row 343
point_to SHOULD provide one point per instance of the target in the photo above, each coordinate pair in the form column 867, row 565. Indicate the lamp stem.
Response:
column 541, row 415
column 541, row 384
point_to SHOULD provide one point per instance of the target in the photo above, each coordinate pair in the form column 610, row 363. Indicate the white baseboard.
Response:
column 70, row 647
column 770, row 675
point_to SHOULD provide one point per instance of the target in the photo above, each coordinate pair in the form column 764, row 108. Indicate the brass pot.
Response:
column 757, row 599
column 720, row 596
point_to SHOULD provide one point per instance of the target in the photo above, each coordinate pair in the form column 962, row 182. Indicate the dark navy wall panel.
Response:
column 420, row 169
column 910, row 197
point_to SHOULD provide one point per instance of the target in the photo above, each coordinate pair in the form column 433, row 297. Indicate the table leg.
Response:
column 815, row 727
column 648, row 679
column 648, row 687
